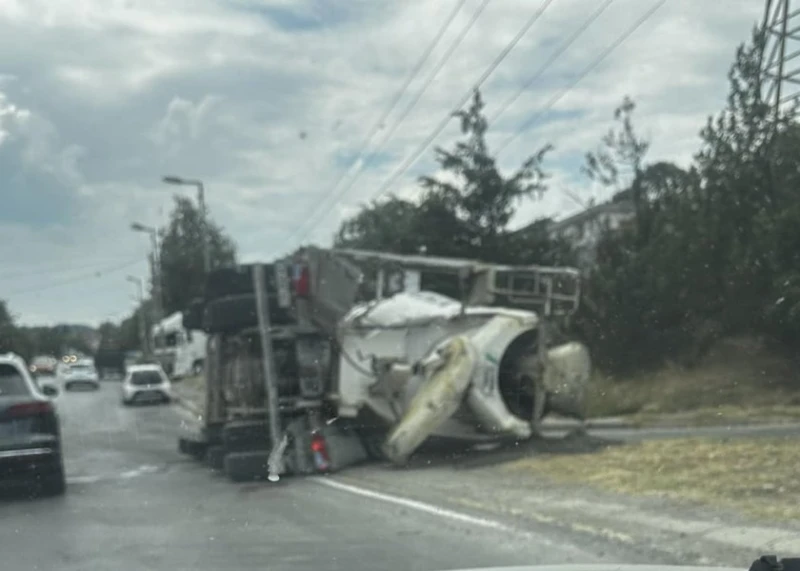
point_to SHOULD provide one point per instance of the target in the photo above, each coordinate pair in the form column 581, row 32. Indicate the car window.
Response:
column 12, row 382
column 146, row 378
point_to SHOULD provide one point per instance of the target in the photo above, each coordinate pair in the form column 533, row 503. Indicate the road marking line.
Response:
column 416, row 505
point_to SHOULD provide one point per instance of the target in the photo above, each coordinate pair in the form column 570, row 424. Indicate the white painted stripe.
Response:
column 416, row 505
column 26, row 452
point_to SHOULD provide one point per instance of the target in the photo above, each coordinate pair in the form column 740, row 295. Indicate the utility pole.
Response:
column 155, row 269
column 780, row 67
column 143, row 336
column 277, row 441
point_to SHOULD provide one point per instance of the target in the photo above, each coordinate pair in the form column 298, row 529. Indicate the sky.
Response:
column 271, row 102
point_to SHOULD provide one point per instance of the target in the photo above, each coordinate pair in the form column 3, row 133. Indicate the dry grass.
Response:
column 758, row 476
column 738, row 380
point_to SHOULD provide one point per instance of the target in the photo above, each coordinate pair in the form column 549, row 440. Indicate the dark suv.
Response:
column 30, row 430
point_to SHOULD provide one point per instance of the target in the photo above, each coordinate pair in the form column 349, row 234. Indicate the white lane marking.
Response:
column 84, row 479
column 145, row 469
column 93, row 479
column 417, row 505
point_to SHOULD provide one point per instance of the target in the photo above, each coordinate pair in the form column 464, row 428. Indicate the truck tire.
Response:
column 230, row 314
column 223, row 282
column 215, row 457
column 244, row 435
column 238, row 280
column 191, row 448
column 247, row 466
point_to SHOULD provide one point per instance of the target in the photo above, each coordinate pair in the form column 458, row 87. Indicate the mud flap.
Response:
column 435, row 402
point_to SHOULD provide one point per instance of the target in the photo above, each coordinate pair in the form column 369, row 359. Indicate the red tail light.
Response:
column 319, row 449
column 302, row 281
column 29, row 409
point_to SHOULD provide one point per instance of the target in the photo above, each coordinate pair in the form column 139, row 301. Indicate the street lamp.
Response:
column 201, row 200
column 143, row 337
column 155, row 265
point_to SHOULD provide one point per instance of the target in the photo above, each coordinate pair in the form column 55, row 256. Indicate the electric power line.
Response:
column 412, row 159
column 50, row 269
column 75, row 279
column 578, row 32
column 398, row 96
column 586, row 71
column 321, row 211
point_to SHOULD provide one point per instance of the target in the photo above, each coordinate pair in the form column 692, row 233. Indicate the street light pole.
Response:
column 201, row 201
column 155, row 268
column 143, row 337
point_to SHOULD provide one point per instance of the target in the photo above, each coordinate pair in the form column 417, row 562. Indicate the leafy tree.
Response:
column 619, row 161
column 389, row 225
column 10, row 335
column 714, row 250
column 181, row 249
column 467, row 217
column 481, row 203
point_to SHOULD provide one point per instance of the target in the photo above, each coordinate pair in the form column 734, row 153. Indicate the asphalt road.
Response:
column 134, row 503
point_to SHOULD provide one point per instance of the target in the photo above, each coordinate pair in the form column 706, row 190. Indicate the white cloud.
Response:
column 268, row 102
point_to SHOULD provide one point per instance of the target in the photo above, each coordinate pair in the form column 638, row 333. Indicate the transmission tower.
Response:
column 780, row 70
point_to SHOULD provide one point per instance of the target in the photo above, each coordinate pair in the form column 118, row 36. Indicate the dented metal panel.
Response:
column 436, row 401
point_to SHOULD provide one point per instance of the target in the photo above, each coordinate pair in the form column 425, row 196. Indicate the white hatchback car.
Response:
column 146, row 383
column 81, row 374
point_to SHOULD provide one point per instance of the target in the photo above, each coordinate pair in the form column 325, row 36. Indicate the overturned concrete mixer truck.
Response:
column 332, row 356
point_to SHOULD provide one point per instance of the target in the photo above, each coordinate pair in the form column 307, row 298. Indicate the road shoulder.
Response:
column 677, row 531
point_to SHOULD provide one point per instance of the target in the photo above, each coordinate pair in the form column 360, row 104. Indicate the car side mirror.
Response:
column 49, row 391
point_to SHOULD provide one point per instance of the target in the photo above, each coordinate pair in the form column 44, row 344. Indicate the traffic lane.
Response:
column 190, row 519
column 103, row 439
column 133, row 502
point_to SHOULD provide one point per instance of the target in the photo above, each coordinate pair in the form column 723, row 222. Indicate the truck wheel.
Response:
column 54, row 484
column 247, row 466
column 237, row 280
column 191, row 448
column 244, row 435
column 230, row 313
column 215, row 457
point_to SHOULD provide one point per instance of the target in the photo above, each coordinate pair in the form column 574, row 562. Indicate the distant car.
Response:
column 81, row 375
column 146, row 383
column 43, row 365
column 30, row 430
